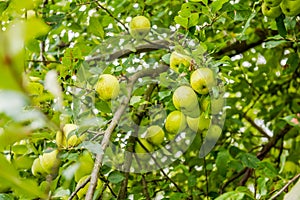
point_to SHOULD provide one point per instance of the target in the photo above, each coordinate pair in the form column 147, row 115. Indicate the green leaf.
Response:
column 290, row 120
column 272, row 44
column 268, row 169
column 95, row 27
column 222, row 162
column 6, row 197
column 3, row 6
column 217, row 5
column 115, row 177
column 166, row 58
column 280, row 25
column 35, row 27
column 249, row 160
column 163, row 94
column 182, row 21
column 247, row 25
column 9, row 175
column 234, row 195
column 92, row 146
column 135, row 100
column 103, row 106
column 292, row 63
column 262, row 185
column 193, row 21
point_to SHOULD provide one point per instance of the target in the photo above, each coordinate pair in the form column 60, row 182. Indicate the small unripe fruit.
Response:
column 202, row 80
column 155, row 135
column 185, row 100
column 139, row 149
column 107, row 87
column 139, row 27
column 175, row 122
column 176, row 59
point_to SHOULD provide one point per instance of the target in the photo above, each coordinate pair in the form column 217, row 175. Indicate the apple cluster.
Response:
column 192, row 102
column 274, row 8
column 193, row 105
column 45, row 163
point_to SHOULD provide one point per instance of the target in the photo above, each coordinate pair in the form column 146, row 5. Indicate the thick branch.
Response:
column 131, row 141
column 260, row 129
column 155, row 45
column 239, row 47
column 263, row 153
column 114, row 122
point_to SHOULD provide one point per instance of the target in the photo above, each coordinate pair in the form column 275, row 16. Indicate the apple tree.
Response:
column 174, row 99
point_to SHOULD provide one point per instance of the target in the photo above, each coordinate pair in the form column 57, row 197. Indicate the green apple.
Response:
column 107, row 87
column 155, row 135
column 198, row 124
column 185, row 100
column 36, row 167
column 23, row 162
column 271, row 12
column 82, row 192
column 49, row 161
column 139, row 149
column 290, row 7
column 214, row 132
column 272, row 3
column 176, row 59
column 202, row 80
column 61, row 140
column 86, row 164
column 175, row 122
column 64, row 140
column 139, row 27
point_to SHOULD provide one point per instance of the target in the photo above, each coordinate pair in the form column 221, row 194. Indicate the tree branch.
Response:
column 110, row 14
column 263, row 153
column 131, row 141
column 79, row 187
column 260, row 129
column 150, row 46
column 145, row 188
column 285, row 187
column 114, row 122
column 247, row 172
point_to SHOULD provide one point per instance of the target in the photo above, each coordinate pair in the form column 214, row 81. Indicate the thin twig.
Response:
column 131, row 141
column 285, row 187
column 79, row 187
column 160, row 168
column 145, row 187
column 260, row 155
column 110, row 14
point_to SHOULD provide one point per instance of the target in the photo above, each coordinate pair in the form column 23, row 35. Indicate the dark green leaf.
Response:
column 115, row 177
column 249, row 160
